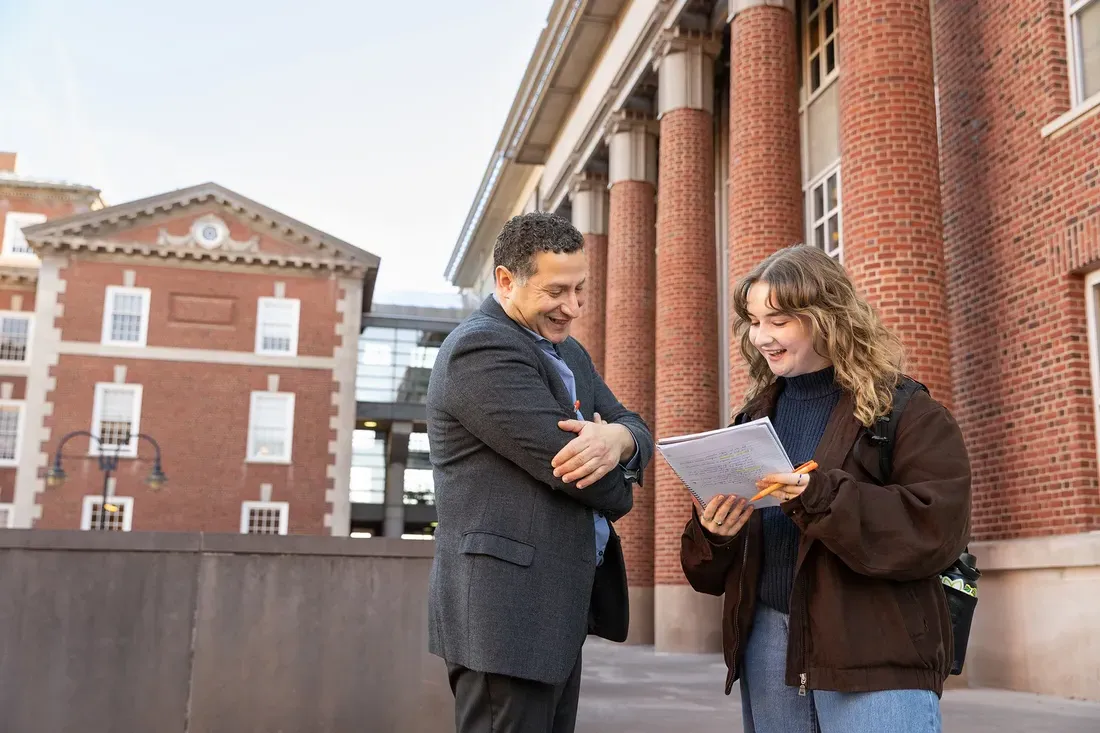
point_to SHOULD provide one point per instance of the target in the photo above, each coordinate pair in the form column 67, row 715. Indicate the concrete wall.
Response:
column 113, row 632
column 1037, row 628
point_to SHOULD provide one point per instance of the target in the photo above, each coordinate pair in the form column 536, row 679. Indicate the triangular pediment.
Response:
column 202, row 222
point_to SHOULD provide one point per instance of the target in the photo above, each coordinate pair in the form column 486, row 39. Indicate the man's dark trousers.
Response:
column 494, row 703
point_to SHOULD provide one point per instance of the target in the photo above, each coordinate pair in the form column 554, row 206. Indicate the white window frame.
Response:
column 128, row 451
column 21, row 405
column 827, row 77
column 262, row 306
column 811, row 222
column 29, row 318
column 251, row 455
column 14, row 223
column 282, row 506
column 1077, row 93
column 9, row 521
column 125, row 504
column 108, row 313
column 1092, row 315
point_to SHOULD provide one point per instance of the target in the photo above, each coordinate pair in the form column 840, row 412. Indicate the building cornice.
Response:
column 547, row 55
column 92, row 230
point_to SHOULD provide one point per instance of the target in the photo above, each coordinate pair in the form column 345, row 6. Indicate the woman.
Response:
column 834, row 617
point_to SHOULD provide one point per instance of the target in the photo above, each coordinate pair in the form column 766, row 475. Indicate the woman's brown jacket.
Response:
column 867, row 610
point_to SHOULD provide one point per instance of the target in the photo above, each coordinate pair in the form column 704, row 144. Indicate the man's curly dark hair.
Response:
column 526, row 235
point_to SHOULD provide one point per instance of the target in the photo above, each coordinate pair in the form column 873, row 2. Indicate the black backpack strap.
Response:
column 885, row 428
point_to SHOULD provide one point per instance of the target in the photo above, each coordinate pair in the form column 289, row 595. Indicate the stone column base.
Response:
column 686, row 621
column 641, row 616
column 1036, row 628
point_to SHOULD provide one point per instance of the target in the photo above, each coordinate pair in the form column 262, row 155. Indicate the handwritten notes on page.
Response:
column 727, row 461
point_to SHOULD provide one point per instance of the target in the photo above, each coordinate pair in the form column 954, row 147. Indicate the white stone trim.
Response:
column 684, row 60
column 346, row 359
column 590, row 204
column 40, row 385
column 739, row 6
column 1056, row 551
column 632, row 153
column 203, row 356
column 626, row 59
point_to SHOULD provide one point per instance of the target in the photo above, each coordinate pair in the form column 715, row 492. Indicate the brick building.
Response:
column 225, row 331
column 946, row 152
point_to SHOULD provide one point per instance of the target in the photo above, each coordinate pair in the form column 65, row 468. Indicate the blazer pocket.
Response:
column 498, row 546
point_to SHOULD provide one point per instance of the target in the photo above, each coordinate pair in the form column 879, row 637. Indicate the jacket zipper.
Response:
column 740, row 593
column 802, row 687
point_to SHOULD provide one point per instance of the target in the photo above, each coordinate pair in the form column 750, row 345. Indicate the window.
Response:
column 277, row 326
column 821, row 42
column 116, row 419
column 823, row 213
column 264, row 517
column 11, row 424
column 126, row 316
column 1083, row 20
column 119, row 516
column 7, row 516
column 14, row 241
column 270, row 427
column 15, row 336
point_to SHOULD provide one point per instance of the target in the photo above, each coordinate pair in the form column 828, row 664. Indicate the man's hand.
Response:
column 598, row 448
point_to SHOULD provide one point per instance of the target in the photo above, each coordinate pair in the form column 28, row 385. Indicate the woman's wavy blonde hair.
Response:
column 805, row 282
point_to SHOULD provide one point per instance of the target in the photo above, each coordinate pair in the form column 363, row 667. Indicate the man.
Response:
column 533, row 458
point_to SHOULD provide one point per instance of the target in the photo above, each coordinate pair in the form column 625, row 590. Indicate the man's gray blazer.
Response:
column 515, row 573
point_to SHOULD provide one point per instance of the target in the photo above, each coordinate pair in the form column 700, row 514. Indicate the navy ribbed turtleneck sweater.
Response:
column 801, row 412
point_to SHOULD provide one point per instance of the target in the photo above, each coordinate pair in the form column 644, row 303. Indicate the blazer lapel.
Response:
column 491, row 308
column 582, row 377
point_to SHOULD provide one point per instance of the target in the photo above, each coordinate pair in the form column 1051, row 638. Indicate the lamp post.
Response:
column 108, row 463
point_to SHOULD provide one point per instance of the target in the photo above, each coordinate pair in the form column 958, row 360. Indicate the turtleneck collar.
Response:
column 810, row 386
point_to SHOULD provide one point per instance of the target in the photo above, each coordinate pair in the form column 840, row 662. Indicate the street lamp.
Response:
column 108, row 463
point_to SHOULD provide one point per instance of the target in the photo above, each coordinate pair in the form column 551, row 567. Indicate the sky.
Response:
column 371, row 121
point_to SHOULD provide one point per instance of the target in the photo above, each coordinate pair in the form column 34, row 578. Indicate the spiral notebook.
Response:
column 727, row 461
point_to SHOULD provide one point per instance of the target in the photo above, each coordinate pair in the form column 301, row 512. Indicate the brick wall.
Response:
column 765, row 191
column 687, row 328
column 589, row 328
column 199, row 308
column 199, row 415
column 629, row 363
column 1022, row 223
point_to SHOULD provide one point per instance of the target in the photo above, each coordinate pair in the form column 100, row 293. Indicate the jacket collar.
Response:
column 841, row 431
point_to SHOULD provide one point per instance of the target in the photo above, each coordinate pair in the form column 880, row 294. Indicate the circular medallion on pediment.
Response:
column 209, row 232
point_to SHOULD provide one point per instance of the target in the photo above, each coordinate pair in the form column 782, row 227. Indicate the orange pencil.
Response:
column 804, row 468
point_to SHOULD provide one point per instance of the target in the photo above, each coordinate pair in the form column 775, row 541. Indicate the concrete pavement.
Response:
column 632, row 689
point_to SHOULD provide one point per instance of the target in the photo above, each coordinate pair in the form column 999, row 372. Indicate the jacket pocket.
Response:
column 498, row 546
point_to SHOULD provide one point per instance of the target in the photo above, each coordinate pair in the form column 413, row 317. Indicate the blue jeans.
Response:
column 768, row 705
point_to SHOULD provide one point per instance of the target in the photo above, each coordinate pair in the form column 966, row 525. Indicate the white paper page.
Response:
column 728, row 461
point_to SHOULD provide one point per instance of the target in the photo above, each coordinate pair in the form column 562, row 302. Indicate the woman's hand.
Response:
column 724, row 515
column 792, row 484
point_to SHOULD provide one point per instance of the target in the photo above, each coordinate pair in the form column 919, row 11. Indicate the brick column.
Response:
column 892, row 214
column 687, row 328
column 631, row 267
column 765, row 182
column 589, row 197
